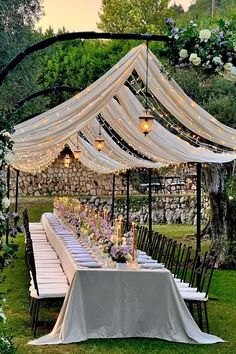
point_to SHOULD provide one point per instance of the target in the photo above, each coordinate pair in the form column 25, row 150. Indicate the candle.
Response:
column 133, row 231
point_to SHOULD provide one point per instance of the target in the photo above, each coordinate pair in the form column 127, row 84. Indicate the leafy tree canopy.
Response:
column 138, row 16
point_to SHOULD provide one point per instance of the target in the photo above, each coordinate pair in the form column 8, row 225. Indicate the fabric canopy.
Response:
column 38, row 141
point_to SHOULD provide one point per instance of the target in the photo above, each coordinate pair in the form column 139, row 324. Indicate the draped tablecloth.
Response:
column 110, row 303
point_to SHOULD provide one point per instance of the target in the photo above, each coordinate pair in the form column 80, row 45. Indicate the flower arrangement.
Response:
column 212, row 50
column 95, row 227
column 121, row 254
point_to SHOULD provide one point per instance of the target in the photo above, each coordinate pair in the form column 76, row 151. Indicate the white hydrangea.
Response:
column 193, row 56
column 217, row 60
column 183, row 53
column 5, row 202
column 9, row 158
column 2, row 217
column 196, row 61
column 228, row 66
column 204, row 35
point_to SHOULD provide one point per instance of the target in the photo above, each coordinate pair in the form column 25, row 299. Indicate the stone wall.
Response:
column 75, row 180
column 165, row 209
column 79, row 180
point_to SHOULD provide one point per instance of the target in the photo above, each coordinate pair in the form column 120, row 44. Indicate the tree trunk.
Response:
column 223, row 213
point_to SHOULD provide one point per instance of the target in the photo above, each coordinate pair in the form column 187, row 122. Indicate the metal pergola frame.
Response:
column 114, row 36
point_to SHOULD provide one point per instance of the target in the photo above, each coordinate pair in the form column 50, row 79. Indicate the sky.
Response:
column 76, row 15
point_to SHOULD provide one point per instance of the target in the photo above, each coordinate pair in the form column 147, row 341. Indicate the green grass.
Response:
column 221, row 312
column 222, row 309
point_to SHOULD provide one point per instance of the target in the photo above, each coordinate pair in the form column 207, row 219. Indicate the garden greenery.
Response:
column 213, row 50
column 6, row 251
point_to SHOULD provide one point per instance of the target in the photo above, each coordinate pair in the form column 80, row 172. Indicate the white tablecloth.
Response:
column 110, row 303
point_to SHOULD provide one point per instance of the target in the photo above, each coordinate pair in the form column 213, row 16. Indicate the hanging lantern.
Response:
column 146, row 122
column 67, row 160
column 77, row 153
column 146, row 119
column 99, row 143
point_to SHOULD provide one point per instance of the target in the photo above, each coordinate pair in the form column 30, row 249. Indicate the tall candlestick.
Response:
column 133, row 232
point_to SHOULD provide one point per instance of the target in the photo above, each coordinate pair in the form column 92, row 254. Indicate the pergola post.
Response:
column 150, row 205
column 113, row 197
column 199, row 187
column 16, row 197
column 127, row 199
column 7, row 210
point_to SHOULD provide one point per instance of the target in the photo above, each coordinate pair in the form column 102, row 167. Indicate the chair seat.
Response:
column 48, row 261
column 47, row 294
column 182, row 289
column 182, row 284
column 50, row 281
column 194, row 296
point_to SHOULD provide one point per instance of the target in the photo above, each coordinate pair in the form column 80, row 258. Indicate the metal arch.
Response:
column 77, row 35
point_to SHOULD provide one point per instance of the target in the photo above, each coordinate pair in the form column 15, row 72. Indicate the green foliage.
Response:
column 78, row 64
column 224, row 9
column 212, row 49
column 231, row 188
column 137, row 16
column 214, row 93
column 6, row 345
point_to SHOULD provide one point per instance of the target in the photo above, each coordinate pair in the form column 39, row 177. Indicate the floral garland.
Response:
column 6, row 157
column 214, row 51
column 6, row 251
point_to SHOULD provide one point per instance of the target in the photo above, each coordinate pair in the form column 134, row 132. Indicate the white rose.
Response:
column 9, row 158
column 217, row 60
column 193, row 56
column 2, row 217
column 228, row 66
column 183, row 53
column 204, row 35
column 5, row 203
column 6, row 134
column 176, row 36
column 196, row 61
column 231, row 197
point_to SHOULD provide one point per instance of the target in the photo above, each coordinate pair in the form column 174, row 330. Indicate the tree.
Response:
column 200, row 81
column 139, row 16
column 201, row 10
column 17, row 18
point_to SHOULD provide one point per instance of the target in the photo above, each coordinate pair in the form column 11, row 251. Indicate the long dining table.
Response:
column 113, row 303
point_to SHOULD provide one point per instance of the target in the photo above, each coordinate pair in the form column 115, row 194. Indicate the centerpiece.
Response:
column 94, row 230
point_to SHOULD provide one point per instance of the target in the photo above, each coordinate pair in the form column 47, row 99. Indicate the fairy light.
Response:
column 175, row 127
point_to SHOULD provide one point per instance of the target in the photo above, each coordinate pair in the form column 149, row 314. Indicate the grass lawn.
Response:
column 222, row 314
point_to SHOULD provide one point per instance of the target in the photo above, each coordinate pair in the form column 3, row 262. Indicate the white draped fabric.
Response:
column 38, row 141
column 160, row 144
column 182, row 107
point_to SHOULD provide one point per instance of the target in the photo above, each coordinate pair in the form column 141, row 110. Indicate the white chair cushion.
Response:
column 194, row 296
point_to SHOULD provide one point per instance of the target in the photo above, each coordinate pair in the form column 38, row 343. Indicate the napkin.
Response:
column 84, row 259
column 146, row 261
column 90, row 264
column 153, row 265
